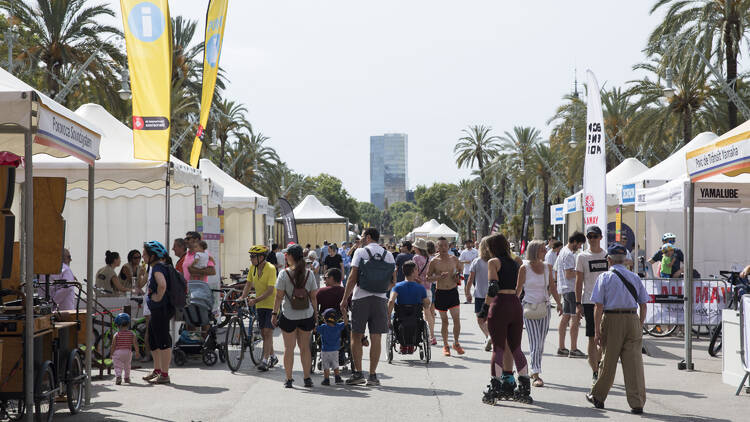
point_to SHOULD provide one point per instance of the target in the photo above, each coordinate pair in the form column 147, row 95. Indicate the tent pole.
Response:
column 689, row 279
column 635, row 246
column 28, row 277
column 90, row 281
column 254, row 208
column 166, row 203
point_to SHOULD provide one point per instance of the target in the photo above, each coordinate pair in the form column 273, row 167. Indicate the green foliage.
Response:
column 430, row 201
column 405, row 222
column 369, row 215
column 330, row 189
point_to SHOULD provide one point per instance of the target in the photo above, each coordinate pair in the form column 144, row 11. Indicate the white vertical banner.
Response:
column 595, row 164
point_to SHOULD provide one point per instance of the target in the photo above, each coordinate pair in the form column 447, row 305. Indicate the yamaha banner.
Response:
column 215, row 22
column 148, row 38
column 290, row 225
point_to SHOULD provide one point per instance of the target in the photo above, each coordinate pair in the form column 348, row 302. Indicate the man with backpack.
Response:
column 373, row 274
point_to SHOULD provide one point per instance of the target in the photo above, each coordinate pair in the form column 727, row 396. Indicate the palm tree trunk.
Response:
column 730, row 29
column 545, row 210
column 500, row 215
column 687, row 127
column 223, row 150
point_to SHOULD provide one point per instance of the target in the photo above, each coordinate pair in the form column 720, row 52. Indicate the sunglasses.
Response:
column 592, row 236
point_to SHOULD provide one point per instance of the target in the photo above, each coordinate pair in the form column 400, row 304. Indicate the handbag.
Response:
column 538, row 310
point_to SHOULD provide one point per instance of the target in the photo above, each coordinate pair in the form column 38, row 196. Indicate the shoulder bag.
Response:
column 538, row 310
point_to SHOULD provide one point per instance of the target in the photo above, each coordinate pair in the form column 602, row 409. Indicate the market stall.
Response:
column 244, row 218
column 424, row 230
column 316, row 223
column 31, row 124
column 130, row 193
column 443, row 231
column 627, row 169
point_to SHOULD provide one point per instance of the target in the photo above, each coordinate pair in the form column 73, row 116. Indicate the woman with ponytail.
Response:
column 296, row 290
column 106, row 277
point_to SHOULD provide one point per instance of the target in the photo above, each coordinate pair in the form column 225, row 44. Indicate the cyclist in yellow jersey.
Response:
column 262, row 276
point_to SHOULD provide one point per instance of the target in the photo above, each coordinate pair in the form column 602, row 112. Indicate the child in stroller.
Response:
column 408, row 329
column 198, row 333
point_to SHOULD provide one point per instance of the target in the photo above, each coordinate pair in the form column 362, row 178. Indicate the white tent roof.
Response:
column 626, row 170
column 673, row 167
column 426, row 228
column 312, row 210
column 117, row 168
column 60, row 132
column 236, row 195
column 443, row 230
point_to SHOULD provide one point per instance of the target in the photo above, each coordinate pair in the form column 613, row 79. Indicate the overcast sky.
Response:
column 319, row 77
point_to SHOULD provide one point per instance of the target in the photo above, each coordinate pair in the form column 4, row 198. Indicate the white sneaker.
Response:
column 488, row 345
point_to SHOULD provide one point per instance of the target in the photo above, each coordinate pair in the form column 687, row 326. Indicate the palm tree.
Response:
column 229, row 121
column 717, row 25
column 478, row 146
column 250, row 160
column 67, row 33
column 692, row 91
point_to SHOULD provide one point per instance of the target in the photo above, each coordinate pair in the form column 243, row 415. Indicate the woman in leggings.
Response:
column 504, row 322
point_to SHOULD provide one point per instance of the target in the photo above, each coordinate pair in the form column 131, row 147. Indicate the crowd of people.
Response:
column 302, row 289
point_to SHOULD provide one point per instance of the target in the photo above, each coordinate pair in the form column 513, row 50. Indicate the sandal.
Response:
column 538, row 381
column 446, row 351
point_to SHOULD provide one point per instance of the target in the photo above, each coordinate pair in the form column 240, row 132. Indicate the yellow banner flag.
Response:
column 148, row 37
column 215, row 22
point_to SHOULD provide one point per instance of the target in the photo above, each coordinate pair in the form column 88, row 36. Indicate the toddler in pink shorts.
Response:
column 123, row 344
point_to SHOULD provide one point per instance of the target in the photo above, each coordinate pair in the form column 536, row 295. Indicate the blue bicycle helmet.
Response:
column 155, row 247
column 122, row 319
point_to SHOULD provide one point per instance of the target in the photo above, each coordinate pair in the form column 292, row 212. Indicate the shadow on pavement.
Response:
column 583, row 390
column 560, row 409
column 671, row 418
column 197, row 389
column 419, row 391
column 662, row 392
column 336, row 391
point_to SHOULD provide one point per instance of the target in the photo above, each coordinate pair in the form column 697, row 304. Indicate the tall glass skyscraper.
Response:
column 389, row 177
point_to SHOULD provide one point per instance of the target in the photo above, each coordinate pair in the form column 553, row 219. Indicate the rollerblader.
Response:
column 504, row 322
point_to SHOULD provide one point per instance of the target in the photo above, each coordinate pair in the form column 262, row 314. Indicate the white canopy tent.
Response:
column 317, row 223
column 629, row 168
column 129, row 193
column 443, row 231
column 31, row 124
column 426, row 228
column 244, row 218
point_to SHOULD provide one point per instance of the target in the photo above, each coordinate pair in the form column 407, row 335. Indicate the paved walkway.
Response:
column 450, row 389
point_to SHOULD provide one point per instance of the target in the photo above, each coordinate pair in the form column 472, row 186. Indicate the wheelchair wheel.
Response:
column 426, row 343
column 390, row 345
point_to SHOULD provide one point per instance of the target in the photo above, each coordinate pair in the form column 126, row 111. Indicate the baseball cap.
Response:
column 593, row 229
column 616, row 249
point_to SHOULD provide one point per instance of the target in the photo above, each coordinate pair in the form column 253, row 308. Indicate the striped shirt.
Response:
column 123, row 340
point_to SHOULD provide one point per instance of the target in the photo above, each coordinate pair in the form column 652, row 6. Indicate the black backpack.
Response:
column 176, row 288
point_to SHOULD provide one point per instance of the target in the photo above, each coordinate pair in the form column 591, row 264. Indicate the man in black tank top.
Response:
column 445, row 268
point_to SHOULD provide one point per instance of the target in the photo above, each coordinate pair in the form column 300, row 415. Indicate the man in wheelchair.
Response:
column 406, row 298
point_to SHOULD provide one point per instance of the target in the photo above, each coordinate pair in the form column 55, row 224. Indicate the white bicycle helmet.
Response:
column 668, row 236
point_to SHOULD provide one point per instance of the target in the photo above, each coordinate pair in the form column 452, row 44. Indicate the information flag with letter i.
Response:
column 215, row 22
column 148, row 38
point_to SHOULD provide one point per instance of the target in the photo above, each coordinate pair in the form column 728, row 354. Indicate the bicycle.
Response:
column 740, row 286
column 238, row 338
column 138, row 328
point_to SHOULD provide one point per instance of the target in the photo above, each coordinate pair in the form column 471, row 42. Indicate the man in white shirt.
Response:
column 589, row 264
column 369, row 309
column 467, row 256
column 566, row 286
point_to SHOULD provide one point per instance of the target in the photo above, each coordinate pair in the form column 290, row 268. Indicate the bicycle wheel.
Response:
column 662, row 330
column 313, row 352
column 74, row 383
column 44, row 394
column 14, row 409
column 256, row 342
column 714, row 346
column 234, row 345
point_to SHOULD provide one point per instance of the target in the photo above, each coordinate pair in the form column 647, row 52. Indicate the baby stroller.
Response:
column 345, row 352
column 409, row 332
column 197, row 315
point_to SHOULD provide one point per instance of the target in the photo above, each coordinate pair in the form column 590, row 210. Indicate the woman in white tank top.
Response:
column 534, row 279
